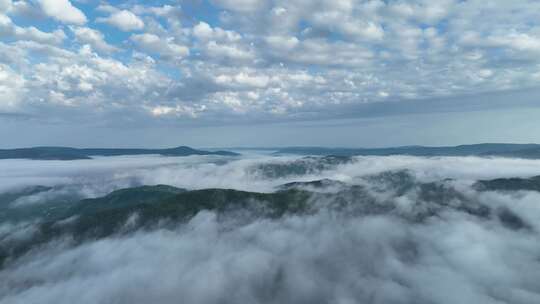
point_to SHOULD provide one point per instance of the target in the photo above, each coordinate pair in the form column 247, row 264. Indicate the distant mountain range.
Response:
column 488, row 149
column 66, row 153
column 531, row 151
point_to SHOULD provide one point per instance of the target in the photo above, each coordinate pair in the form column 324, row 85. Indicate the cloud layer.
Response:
column 320, row 258
column 274, row 60
column 327, row 256
column 250, row 173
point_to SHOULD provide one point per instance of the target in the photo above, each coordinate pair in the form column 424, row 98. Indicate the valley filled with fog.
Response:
column 260, row 228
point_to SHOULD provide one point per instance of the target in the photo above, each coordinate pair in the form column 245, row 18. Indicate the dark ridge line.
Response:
column 67, row 153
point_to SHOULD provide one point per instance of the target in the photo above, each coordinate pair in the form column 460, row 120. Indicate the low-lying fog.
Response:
column 327, row 256
column 103, row 174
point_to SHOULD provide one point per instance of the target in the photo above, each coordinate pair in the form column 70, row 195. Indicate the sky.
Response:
column 218, row 73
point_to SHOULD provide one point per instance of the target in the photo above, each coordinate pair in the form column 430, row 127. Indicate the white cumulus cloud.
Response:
column 93, row 37
column 63, row 11
column 164, row 47
column 124, row 20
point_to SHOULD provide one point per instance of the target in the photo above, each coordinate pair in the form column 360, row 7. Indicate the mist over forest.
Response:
column 270, row 229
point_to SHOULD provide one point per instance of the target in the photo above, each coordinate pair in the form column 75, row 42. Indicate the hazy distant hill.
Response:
column 489, row 149
column 66, row 153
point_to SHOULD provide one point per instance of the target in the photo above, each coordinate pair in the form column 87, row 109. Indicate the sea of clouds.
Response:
column 324, row 257
column 99, row 176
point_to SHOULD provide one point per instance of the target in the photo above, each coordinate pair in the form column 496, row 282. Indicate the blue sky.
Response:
column 247, row 72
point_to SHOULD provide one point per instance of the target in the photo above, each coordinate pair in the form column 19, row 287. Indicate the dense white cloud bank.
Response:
column 328, row 256
column 102, row 175
column 270, row 59
column 314, row 259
